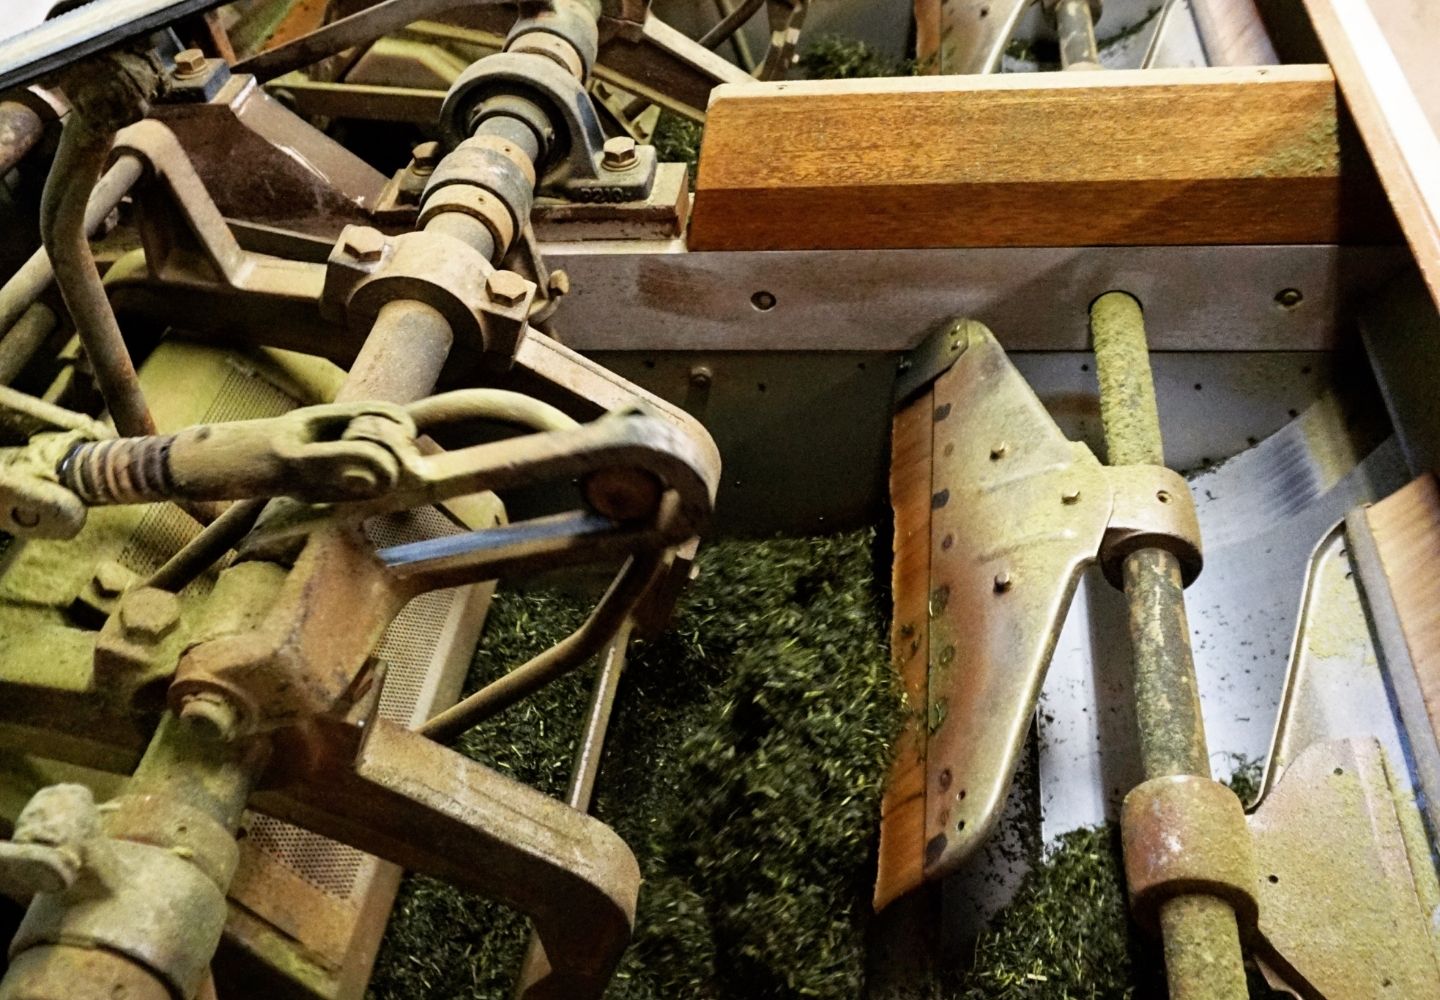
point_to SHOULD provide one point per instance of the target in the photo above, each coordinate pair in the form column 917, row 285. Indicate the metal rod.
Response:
column 609, row 615
column 730, row 24
column 206, row 548
column 585, row 769
column 1202, row 942
column 35, row 275
column 1232, row 33
column 743, row 56
column 23, row 339
column 63, row 209
column 1076, row 29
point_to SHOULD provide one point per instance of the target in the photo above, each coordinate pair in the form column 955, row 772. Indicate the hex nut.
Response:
column 190, row 62
column 425, row 157
column 506, row 287
column 149, row 614
column 619, row 153
column 363, row 243
column 111, row 578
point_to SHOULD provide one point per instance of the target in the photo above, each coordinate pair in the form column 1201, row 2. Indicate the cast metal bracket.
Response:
column 1017, row 513
column 578, row 166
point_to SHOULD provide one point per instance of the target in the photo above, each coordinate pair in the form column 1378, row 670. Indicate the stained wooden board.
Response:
column 901, row 863
column 1406, row 529
column 1383, row 52
column 1156, row 157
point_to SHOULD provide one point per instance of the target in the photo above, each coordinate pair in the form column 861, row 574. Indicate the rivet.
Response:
column 998, row 451
column 1003, row 581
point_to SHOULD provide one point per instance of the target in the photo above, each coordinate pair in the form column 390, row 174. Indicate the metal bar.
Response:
column 34, row 276
column 1202, row 943
column 585, row 767
column 743, row 56
column 22, row 340
column 1076, row 28
column 202, row 551
column 609, row 615
column 1232, row 33
column 358, row 29
column 86, row 30
column 730, row 24
column 63, row 211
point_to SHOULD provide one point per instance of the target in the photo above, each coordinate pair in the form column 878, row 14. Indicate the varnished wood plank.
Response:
column 1383, row 55
column 901, row 862
column 1156, row 157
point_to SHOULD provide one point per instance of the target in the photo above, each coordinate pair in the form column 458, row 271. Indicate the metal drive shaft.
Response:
column 1202, row 944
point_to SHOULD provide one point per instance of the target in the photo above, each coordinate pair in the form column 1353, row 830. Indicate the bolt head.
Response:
column 212, row 715
column 425, row 157
column 998, row 450
column 149, row 614
column 619, row 153
column 111, row 578
column 363, row 243
column 701, row 376
column 190, row 62
column 1003, row 581
column 506, row 287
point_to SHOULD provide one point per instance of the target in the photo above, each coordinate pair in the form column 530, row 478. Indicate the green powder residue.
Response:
column 1316, row 153
column 744, row 768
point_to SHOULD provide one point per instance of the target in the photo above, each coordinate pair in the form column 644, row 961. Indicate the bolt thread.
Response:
column 120, row 470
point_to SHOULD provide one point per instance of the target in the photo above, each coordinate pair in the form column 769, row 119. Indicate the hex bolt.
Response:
column 363, row 243
column 619, row 153
column 149, row 614
column 190, row 62
column 213, row 715
column 506, row 287
column 1003, row 582
column 701, row 376
column 111, row 578
column 424, row 158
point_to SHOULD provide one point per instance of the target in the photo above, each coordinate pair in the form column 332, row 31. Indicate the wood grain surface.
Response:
column 1156, row 157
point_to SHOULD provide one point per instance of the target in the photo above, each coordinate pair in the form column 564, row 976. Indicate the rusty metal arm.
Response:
column 360, row 28
column 614, row 608
column 84, row 146
column 412, row 801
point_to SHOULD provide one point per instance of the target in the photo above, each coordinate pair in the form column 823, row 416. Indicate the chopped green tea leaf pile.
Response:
column 743, row 767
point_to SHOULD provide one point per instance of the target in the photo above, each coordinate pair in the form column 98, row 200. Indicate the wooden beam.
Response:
column 1383, row 54
column 1128, row 158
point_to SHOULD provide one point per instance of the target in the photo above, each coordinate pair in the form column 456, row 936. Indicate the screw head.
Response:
column 425, row 157
column 619, row 153
column 1289, row 298
column 190, row 62
column 149, row 614
column 701, row 376
column 1003, row 581
column 213, row 715
column 506, row 287
column 363, row 243
column 997, row 451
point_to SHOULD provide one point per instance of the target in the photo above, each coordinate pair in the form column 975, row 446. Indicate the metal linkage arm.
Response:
column 412, row 801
